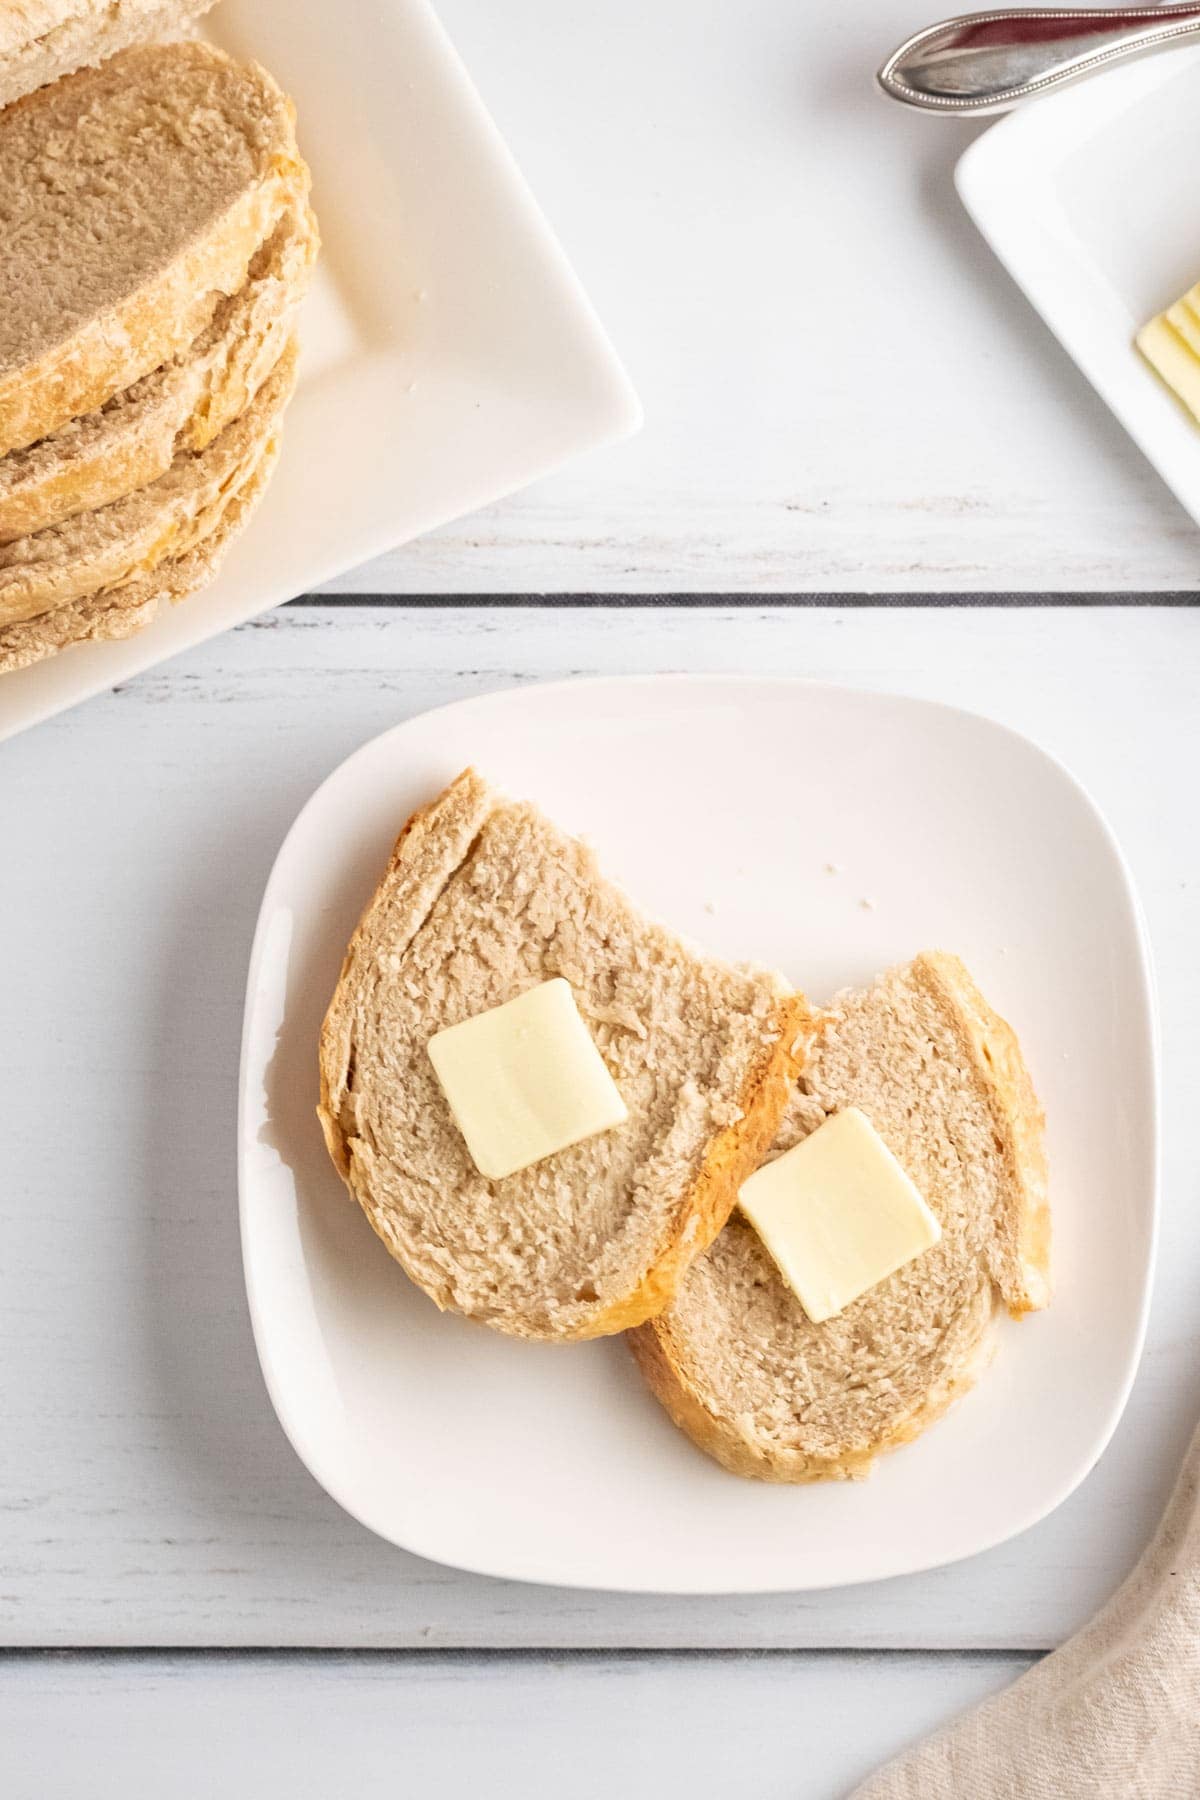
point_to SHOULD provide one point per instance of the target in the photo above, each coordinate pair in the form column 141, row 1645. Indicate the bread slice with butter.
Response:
column 132, row 197
column 484, row 900
column 736, row 1360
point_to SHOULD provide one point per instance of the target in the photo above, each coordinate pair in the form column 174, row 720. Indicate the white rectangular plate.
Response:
column 449, row 353
column 719, row 803
column 1088, row 198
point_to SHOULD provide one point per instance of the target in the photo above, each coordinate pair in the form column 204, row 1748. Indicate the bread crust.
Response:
column 448, row 825
column 991, row 1051
column 728, row 1158
column 663, row 1358
column 40, row 43
column 121, row 611
column 125, row 341
column 162, row 320
column 97, row 551
column 190, row 402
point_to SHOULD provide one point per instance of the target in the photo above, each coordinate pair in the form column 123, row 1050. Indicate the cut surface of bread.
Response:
column 735, row 1359
column 185, row 404
column 121, row 612
column 483, row 899
column 132, row 197
column 129, row 537
column 43, row 39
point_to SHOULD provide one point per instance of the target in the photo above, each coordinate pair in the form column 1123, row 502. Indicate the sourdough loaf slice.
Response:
column 483, row 899
column 185, row 404
column 132, row 197
column 121, row 612
column 737, row 1362
column 43, row 39
column 129, row 537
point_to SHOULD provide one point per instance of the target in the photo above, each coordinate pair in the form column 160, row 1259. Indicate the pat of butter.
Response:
column 525, row 1079
column 1171, row 345
column 838, row 1214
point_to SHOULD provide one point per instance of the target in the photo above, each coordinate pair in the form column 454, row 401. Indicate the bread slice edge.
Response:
column 54, row 480
column 85, row 37
column 990, row 1049
column 439, row 836
column 84, row 371
column 730, row 1158
column 662, row 1361
column 122, row 610
column 460, row 812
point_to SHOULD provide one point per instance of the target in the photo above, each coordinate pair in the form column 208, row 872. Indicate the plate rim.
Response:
column 1009, row 148
column 514, row 1569
column 604, row 419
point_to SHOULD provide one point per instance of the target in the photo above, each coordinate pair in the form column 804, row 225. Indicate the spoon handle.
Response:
column 987, row 62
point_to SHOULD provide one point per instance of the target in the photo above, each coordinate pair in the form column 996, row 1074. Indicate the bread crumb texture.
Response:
column 131, row 440
column 484, row 899
column 246, row 452
column 130, row 195
column 132, row 535
column 41, row 40
column 735, row 1359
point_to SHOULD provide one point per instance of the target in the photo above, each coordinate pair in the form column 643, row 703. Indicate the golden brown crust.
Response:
column 663, row 1359
column 125, row 341
column 729, row 1157
column 70, row 490
column 122, row 611
column 100, row 553
column 208, row 391
column 992, row 1049
column 161, row 320
column 467, row 792
column 732, row 1155
column 42, row 41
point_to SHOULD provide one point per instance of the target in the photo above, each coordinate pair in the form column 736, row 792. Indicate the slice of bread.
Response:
column 43, row 39
column 184, row 405
column 483, row 899
column 129, row 537
column 131, row 197
column 122, row 611
column 737, row 1362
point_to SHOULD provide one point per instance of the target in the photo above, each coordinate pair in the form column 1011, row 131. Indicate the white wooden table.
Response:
column 148, row 1499
column 184, row 1611
column 844, row 390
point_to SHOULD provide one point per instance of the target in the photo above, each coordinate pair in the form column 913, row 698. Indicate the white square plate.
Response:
column 449, row 353
column 718, row 803
column 1088, row 198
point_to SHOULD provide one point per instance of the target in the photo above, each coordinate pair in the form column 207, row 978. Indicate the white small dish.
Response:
column 449, row 352
column 721, row 804
column 1086, row 196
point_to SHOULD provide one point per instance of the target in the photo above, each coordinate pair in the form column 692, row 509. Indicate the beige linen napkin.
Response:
column 1113, row 1715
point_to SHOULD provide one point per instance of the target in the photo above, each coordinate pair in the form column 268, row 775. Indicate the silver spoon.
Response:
column 987, row 62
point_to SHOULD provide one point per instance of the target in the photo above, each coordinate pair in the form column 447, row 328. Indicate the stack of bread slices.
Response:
column 719, row 1070
column 156, row 240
